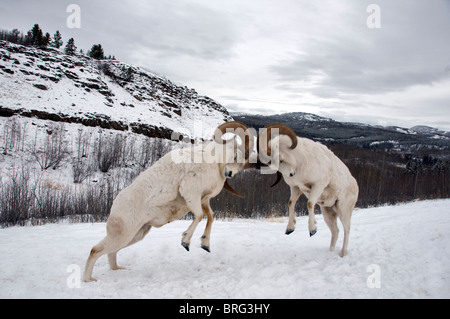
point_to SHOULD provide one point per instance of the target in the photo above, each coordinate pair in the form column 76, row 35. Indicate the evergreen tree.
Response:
column 70, row 48
column 57, row 40
column 96, row 52
column 45, row 40
column 36, row 35
column 15, row 35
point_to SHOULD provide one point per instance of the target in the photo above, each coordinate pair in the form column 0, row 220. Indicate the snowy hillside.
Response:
column 394, row 252
column 74, row 130
column 77, row 89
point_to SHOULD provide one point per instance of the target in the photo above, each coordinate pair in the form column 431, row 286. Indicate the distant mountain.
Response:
column 326, row 130
column 48, row 84
column 430, row 131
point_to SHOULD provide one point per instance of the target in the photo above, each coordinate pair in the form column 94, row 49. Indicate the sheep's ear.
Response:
column 231, row 190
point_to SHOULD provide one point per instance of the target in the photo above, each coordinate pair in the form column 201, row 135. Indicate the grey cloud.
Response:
column 406, row 51
column 178, row 28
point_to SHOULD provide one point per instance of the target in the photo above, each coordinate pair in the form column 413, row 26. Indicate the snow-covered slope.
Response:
column 51, row 85
column 394, row 252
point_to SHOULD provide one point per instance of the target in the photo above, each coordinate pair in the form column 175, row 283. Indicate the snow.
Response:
column 141, row 100
column 401, row 249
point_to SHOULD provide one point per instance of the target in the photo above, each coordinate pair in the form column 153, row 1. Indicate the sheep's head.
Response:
column 274, row 145
column 235, row 154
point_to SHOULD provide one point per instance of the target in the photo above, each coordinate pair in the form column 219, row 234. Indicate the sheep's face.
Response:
column 235, row 162
column 282, row 158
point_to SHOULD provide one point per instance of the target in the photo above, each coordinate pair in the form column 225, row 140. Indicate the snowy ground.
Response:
column 404, row 250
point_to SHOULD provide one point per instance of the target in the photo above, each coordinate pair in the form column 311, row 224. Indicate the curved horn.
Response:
column 266, row 135
column 279, row 176
column 231, row 190
column 245, row 135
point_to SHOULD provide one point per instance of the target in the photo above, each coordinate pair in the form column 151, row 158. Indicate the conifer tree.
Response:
column 70, row 48
column 96, row 52
column 45, row 40
column 36, row 35
column 57, row 40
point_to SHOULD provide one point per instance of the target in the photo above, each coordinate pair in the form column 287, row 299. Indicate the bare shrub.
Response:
column 109, row 150
column 14, row 134
column 16, row 197
column 54, row 148
column 82, row 166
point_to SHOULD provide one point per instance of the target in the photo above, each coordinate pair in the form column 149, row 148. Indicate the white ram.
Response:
column 182, row 181
column 310, row 168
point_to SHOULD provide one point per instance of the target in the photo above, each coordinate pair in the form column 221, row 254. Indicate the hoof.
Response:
column 185, row 245
column 117, row 268
column 312, row 232
column 206, row 248
column 90, row 280
column 289, row 231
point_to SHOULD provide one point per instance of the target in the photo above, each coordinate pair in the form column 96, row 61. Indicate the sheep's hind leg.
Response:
column 344, row 211
column 112, row 257
column 330, row 217
column 115, row 239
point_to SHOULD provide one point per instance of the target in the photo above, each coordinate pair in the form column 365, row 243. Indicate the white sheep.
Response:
column 310, row 168
column 182, row 181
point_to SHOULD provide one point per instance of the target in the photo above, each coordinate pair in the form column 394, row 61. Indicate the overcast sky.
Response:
column 276, row 56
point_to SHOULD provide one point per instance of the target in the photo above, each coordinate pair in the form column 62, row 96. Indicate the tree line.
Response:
column 36, row 37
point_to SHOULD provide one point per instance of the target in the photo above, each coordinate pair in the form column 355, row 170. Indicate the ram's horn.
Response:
column 246, row 135
column 266, row 135
column 231, row 190
column 279, row 176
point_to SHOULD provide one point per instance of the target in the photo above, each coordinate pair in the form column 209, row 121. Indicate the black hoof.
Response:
column 206, row 248
column 289, row 231
column 185, row 245
column 312, row 232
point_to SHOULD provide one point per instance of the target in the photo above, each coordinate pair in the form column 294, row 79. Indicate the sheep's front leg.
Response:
column 295, row 194
column 311, row 218
column 206, row 235
column 196, row 209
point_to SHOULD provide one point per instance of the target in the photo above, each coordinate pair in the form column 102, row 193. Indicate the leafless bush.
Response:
column 150, row 151
column 54, row 148
column 52, row 202
column 82, row 166
column 109, row 150
column 13, row 135
column 16, row 197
